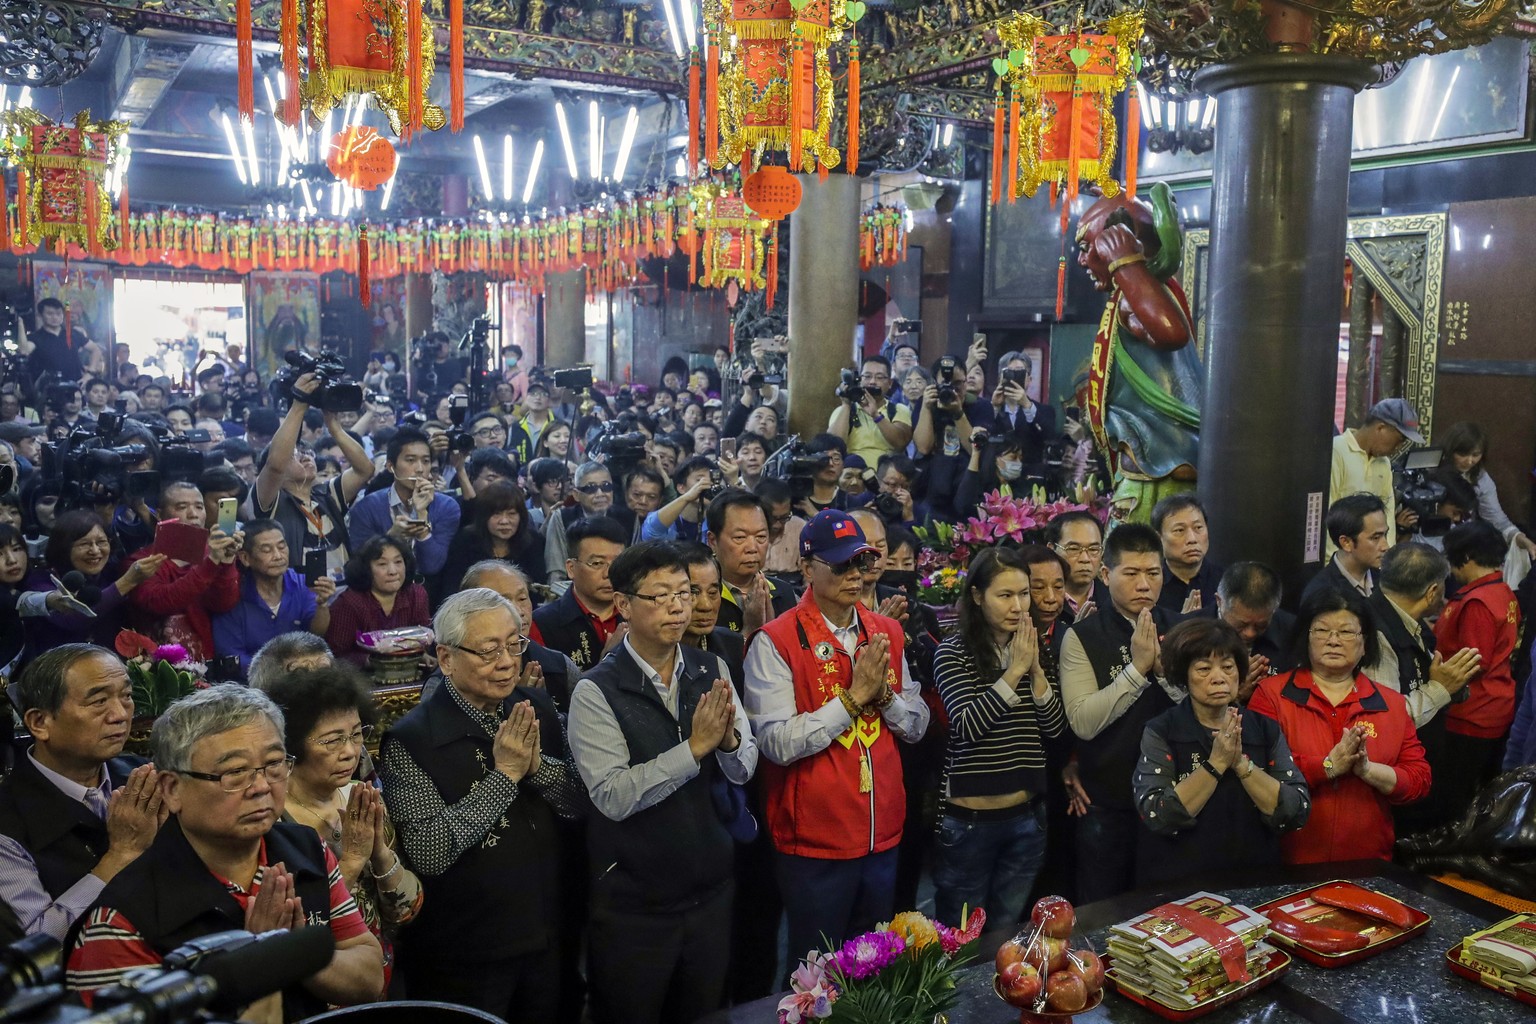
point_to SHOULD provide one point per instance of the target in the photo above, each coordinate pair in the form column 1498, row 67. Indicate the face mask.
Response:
column 1010, row 470
column 511, row 362
column 903, row 579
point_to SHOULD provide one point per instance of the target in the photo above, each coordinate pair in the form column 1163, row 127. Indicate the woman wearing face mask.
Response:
column 1215, row 785
column 991, row 839
column 995, row 466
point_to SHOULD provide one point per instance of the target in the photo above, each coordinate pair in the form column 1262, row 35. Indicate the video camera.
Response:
column 574, row 379
column 619, row 449
column 1415, row 490
column 797, row 466
column 850, row 388
column 905, row 326
column 459, row 439
column 337, row 392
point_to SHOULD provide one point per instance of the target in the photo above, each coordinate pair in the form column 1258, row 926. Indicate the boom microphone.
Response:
column 85, row 593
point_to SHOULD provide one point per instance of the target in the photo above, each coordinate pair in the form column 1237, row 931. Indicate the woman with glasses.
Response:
column 991, row 838
column 225, row 857
column 328, row 715
column 79, row 542
column 1353, row 741
column 501, row 529
column 382, row 593
column 1215, row 787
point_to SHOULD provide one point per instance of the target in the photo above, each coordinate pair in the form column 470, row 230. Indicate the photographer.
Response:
column 311, row 515
column 894, row 502
column 870, row 422
column 1014, row 412
column 697, row 483
column 997, row 464
column 180, row 597
column 825, row 490
column 946, row 420
column 419, row 515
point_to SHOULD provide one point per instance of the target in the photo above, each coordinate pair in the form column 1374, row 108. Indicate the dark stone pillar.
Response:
column 823, row 296
column 1279, row 201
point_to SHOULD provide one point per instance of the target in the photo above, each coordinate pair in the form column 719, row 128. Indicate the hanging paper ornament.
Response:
column 1066, row 83
column 772, row 192
column 361, row 157
column 62, row 196
column 769, row 84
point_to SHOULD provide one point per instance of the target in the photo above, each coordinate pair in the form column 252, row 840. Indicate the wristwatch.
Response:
column 1214, row 773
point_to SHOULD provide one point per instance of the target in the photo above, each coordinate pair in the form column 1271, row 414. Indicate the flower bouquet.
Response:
column 903, row 972
column 1015, row 521
column 161, row 674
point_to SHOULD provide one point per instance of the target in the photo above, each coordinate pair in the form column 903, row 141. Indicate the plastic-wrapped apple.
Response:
column 1047, row 954
column 1086, row 964
column 1019, row 984
column 1065, row 992
column 1010, row 952
column 1054, row 916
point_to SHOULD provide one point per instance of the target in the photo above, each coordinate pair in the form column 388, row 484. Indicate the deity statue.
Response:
column 1145, row 377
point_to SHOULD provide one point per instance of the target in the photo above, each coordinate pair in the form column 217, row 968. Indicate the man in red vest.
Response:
column 828, row 695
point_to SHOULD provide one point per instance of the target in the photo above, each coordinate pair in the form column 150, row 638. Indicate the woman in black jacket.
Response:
column 501, row 528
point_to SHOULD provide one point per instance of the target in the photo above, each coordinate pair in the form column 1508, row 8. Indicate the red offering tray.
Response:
column 1277, row 964
column 1453, row 960
column 1383, row 936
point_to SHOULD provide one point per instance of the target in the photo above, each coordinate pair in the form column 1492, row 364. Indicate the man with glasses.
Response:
column 475, row 778
column 1078, row 537
column 73, row 812
column 273, row 597
column 584, row 623
column 594, row 497
column 657, row 735
column 224, row 860
column 873, row 425
column 312, row 515
column 828, row 694
column 829, row 450
column 491, row 430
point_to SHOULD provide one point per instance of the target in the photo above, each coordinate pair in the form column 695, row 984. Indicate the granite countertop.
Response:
column 1410, row 984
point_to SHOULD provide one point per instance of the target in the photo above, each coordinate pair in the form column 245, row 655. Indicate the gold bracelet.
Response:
column 1126, row 261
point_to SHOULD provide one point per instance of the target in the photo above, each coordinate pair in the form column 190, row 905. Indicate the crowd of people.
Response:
column 680, row 688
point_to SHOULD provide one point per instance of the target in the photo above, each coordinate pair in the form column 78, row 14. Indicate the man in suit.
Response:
column 73, row 812
column 1357, row 524
column 584, row 623
column 1014, row 412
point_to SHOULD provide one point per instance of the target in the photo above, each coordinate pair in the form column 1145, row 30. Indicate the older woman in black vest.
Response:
column 474, row 778
column 224, row 861
column 1215, row 785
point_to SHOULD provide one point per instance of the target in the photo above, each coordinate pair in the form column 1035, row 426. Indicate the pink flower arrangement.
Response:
column 812, row 991
column 1009, row 520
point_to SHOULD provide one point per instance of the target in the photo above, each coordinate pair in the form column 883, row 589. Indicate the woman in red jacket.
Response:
column 1486, row 616
column 1353, row 741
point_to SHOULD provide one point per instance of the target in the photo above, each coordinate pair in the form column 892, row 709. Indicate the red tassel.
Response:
column 364, row 292
column 694, row 114
column 773, row 266
column 796, row 101
column 711, row 104
column 289, row 35
column 416, row 111
column 997, row 145
column 1061, row 286
column 1074, row 144
column 5, row 215
column 124, row 230
column 92, row 217
column 245, row 60
column 853, row 108
column 456, row 65
column 1013, row 142
column 1132, row 138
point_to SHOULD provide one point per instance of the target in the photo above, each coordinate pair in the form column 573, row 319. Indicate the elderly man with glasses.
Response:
column 656, row 734
column 474, row 779
column 828, row 694
column 224, row 861
column 594, row 497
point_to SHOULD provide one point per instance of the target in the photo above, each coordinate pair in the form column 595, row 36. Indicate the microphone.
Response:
column 86, row 593
column 233, row 969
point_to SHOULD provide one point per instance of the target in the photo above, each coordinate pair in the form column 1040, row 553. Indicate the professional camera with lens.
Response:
column 620, row 450
column 336, row 392
column 944, row 378
column 797, row 466
column 888, row 507
column 1416, row 490
column 850, row 389
column 459, row 439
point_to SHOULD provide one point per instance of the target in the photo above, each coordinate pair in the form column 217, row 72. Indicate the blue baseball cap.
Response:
column 834, row 537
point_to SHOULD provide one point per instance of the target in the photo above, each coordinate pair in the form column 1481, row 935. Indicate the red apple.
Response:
column 1065, row 992
column 1010, row 952
column 1086, row 964
column 1055, row 916
column 1046, row 954
column 1019, row 984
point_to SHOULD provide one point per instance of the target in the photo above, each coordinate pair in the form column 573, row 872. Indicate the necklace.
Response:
column 321, row 814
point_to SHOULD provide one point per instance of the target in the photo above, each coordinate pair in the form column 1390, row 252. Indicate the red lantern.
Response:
column 361, row 157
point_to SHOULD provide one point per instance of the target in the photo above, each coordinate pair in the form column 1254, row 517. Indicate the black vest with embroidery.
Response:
column 500, row 898
column 1413, row 661
column 675, row 854
column 1105, row 763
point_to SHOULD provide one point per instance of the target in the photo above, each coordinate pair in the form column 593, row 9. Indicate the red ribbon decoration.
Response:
column 1234, row 955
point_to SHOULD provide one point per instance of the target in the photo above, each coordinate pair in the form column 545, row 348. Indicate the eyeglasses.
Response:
column 863, row 563
column 781, row 520
column 88, row 543
column 514, row 647
column 355, row 738
column 1335, row 634
column 676, row 597
column 606, row 487
column 490, row 431
column 1074, row 550
column 238, row 780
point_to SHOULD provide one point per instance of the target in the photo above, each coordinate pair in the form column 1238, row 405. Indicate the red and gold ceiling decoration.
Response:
column 62, row 181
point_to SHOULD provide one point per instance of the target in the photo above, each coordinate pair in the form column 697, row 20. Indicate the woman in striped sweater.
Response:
column 992, row 834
